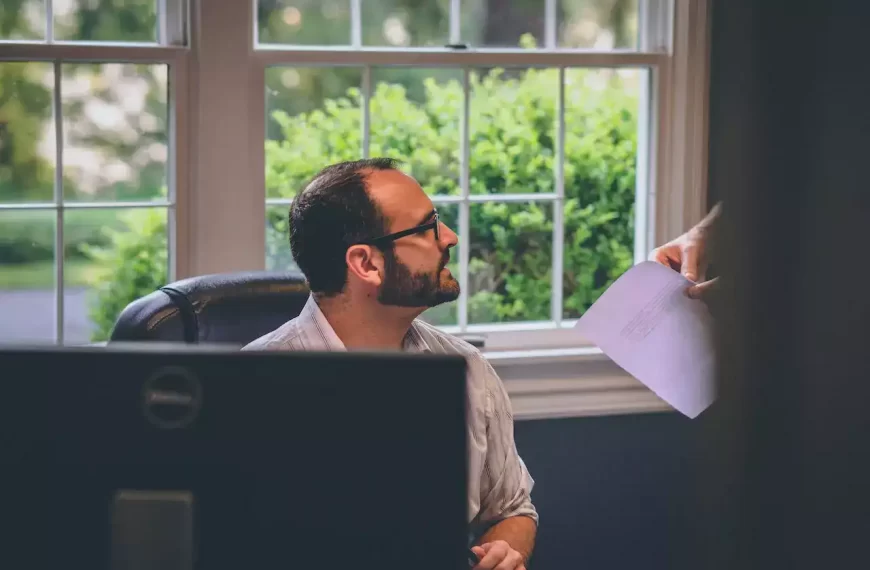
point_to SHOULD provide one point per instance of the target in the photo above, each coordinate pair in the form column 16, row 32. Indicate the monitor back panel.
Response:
column 293, row 459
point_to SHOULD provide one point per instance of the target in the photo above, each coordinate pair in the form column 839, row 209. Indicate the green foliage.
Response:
column 513, row 151
column 28, row 236
column 25, row 109
column 134, row 263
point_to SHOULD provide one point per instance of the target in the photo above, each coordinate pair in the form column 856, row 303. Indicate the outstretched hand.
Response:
column 688, row 255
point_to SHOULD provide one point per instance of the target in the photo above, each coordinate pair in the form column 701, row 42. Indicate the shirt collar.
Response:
column 317, row 334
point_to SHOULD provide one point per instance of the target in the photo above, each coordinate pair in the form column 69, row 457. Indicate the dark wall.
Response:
column 777, row 477
column 790, row 141
column 611, row 491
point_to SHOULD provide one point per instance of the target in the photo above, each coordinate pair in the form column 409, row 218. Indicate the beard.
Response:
column 401, row 288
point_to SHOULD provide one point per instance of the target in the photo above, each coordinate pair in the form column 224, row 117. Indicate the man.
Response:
column 689, row 254
column 375, row 255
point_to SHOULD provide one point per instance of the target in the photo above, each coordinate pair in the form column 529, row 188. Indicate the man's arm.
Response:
column 507, row 507
column 518, row 532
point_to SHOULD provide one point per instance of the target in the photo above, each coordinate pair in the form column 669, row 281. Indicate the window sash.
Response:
column 173, row 27
column 645, row 147
column 653, row 28
column 172, row 33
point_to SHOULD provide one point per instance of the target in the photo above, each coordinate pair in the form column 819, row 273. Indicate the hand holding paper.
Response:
column 647, row 325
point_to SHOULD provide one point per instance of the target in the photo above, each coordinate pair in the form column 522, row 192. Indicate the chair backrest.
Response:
column 231, row 308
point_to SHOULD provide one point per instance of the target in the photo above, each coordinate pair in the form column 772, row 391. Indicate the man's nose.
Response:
column 448, row 236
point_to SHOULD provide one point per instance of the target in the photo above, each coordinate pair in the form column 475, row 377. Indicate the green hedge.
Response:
column 512, row 151
column 28, row 236
column 135, row 263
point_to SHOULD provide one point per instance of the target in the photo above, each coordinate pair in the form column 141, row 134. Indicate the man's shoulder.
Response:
column 281, row 338
column 441, row 342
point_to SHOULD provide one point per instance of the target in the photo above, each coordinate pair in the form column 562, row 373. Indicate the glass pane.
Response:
column 600, row 156
column 400, row 23
column 22, row 20
column 513, row 131
column 304, row 22
column 115, row 118
column 313, row 119
column 448, row 313
column 100, row 21
column 27, row 135
column 598, row 24
column 503, row 23
column 415, row 115
column 510, row 266
column 278, row 255
column 111, row 258
column 27, row 301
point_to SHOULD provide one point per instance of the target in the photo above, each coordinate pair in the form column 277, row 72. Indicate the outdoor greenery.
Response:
column 135, row 261
column 512, row 151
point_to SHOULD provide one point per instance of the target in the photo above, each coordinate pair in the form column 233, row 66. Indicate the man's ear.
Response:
column 366, row 263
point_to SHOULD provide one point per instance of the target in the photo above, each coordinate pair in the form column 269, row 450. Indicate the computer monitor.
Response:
column 212, row 459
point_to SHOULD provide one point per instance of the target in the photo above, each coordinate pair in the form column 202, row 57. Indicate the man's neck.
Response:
column 367, row 326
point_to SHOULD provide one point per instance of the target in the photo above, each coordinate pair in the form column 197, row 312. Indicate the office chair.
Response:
column 233, row 308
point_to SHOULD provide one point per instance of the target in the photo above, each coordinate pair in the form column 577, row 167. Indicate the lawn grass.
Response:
column 40, row 274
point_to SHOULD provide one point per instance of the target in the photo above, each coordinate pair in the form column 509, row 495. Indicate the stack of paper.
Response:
column 647, row 325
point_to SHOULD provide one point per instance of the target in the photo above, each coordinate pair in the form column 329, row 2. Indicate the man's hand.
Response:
column 688, row 255
column 704, row 291
column 498, row 555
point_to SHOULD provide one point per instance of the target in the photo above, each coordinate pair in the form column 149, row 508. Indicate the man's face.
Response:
column 415, row 266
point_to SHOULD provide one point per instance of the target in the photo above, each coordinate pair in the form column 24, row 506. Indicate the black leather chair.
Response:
column 233, row 308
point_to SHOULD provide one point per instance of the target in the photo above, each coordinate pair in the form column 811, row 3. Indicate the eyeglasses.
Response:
column 435, row 224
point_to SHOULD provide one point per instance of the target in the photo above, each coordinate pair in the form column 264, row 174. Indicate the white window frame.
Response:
column 169, row 49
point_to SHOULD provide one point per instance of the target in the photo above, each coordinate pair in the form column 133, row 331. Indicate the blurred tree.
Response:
column 26, row 121
column 25, row 112
column 26, row 105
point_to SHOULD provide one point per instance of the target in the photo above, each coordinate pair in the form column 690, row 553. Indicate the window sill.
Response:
column 567, row 383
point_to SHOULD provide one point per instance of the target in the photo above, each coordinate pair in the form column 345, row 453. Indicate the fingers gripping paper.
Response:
column 647, row 325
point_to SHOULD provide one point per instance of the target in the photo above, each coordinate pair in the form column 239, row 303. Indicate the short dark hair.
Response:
column 333, row 212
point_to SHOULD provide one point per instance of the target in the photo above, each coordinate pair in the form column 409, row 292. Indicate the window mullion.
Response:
column 455, row 22
column 172, row 22
column 366, row 111
column 550, row 25
column 655, row 29
column 356, row 23
column 161, row 22
column 58, row 204
column 178, row 187
column 559, row 207
column 646, row 151
column 465, row 204
column 49, row 21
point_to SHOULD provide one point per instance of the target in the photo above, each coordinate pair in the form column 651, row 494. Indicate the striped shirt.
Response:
column 499, row 485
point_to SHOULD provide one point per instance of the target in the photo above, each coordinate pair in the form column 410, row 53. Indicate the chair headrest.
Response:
column 224, row 308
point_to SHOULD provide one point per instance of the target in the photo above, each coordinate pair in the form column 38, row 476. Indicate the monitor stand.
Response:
column 152, row 530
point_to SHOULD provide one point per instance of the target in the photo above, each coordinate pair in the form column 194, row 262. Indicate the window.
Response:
column 561, row 139
column 87, row 166
column 528, row 123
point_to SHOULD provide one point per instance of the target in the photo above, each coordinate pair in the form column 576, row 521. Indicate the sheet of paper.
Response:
column 647, row 325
